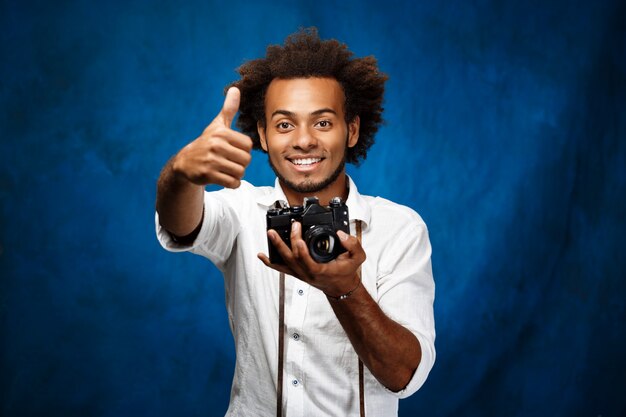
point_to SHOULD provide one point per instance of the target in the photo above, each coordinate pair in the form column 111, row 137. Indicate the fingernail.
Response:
column 295, row 226
column 342, row 235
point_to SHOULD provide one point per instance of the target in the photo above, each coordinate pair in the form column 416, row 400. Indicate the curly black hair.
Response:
column 305, row 55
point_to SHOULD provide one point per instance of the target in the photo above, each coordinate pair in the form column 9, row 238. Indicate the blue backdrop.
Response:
column 505, row 130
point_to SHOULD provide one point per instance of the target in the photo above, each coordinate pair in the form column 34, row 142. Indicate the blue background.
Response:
column 505, row 131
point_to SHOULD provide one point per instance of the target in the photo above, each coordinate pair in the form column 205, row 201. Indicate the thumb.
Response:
column 347, row 241
column 231, row 106
column 352, row 245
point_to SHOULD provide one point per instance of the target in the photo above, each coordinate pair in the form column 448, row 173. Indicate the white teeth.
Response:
column 306, row 161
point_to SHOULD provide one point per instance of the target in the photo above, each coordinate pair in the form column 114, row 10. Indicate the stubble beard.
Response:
column 308, row 186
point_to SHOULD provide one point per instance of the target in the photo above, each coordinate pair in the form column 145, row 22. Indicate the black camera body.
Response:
column 319, row 226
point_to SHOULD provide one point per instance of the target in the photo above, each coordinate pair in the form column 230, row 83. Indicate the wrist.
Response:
column 177, row 171
column 345, row 294
column 179, row 175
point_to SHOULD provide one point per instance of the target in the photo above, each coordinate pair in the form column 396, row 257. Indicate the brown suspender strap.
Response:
column 281, row 345
column 361, row 390
column 361, row 378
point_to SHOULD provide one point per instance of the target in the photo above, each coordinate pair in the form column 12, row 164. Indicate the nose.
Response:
column 305, row 139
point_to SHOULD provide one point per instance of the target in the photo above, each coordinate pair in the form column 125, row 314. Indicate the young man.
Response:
column 302, row 328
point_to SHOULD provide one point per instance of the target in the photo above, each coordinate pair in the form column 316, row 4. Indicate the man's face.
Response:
column 306, row 135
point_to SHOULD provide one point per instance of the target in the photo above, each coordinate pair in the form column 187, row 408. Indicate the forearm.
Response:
column 390, row 351
column 179, row 202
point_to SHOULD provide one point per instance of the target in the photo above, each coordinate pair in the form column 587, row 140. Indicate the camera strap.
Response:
column 281, row 343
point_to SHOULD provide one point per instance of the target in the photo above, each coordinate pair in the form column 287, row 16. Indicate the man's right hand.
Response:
column 220, row 155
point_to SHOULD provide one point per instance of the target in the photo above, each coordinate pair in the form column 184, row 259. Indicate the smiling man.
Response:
column 306, row 136
column 346, row 337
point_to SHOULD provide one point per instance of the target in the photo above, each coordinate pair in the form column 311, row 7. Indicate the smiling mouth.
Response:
column 305, row 161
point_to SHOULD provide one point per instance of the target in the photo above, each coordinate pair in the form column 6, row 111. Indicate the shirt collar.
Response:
column 357, row 206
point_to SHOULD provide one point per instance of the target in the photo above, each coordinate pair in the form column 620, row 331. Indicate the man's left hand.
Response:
column 334, row 278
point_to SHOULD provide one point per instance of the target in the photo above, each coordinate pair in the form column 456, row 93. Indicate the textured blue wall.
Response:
column 506, row 131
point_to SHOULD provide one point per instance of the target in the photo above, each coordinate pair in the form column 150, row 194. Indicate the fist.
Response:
column 220, row 155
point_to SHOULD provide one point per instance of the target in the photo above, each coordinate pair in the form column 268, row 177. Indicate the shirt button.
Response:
column 295, row 382
column 300, row 292
column 295, row 336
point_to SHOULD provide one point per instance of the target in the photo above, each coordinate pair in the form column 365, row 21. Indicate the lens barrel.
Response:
column 323, row 243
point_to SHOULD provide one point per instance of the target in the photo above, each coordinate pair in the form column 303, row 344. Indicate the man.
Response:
column 301, row 328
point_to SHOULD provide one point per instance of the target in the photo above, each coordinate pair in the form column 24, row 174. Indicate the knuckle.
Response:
column 212, row 146
column 234, row 183
column 210, row 160
column 221, row 130
column 239, row 171
column 215, row 144
column 248, row 144
column 178, row 164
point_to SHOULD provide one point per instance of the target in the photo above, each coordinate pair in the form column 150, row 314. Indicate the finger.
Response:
column 228, row 167
column 236, row 139
column 281, row 247
column 352, row 245
column 287, row 254
column 301, row 251
column 225, row 180
column 230, row 107
column 296, row 237
column 234, row 154
column 280, row 268
column 305, row 258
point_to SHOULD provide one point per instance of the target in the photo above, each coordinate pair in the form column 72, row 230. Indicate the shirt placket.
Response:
column 295, row 378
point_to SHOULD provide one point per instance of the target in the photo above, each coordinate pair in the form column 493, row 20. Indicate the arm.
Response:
column 179, row 202
column 391, row 352
column 219, row 156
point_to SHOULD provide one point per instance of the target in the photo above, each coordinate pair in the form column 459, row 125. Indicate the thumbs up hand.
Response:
column 220, row 155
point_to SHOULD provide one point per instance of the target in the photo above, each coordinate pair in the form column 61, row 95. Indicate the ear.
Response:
column 261, row 130
column 353, row 131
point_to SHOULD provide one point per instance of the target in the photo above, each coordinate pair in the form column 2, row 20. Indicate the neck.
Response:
column 338, row 188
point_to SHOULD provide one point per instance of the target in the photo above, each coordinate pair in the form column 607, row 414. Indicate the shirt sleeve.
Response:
column 406, row 293
column 219, row 230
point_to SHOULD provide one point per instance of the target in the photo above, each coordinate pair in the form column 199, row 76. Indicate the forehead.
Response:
column 304, row 95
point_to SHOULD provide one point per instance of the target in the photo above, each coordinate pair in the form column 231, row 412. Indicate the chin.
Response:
column 305, row 187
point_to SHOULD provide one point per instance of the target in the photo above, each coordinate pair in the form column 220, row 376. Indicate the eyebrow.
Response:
column 293, row 115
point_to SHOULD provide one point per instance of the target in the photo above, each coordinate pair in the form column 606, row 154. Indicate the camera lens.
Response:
column 323, row 243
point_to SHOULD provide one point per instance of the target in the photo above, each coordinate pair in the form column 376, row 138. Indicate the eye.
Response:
column 283, row 126
column 324, row 124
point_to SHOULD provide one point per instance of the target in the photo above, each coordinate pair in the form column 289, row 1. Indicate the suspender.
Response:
column 361, row 381
column 281, row 345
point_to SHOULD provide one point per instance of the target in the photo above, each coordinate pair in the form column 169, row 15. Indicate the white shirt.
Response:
column 321, row 366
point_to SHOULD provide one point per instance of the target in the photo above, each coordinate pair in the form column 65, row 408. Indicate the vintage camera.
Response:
column 319, row 226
